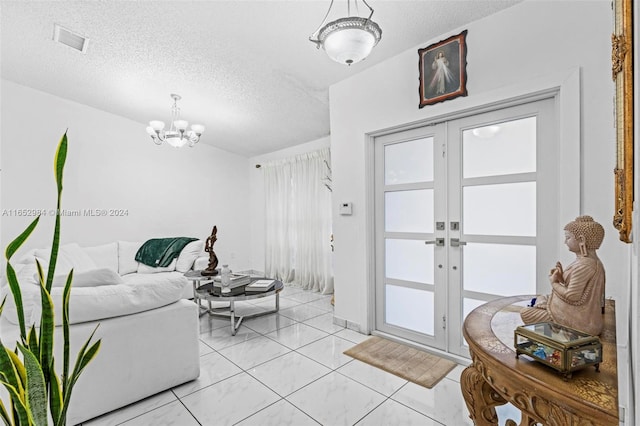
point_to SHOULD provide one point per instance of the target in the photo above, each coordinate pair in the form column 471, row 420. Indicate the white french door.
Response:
column 461, row 215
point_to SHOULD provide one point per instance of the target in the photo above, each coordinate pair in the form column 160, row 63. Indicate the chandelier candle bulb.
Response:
column 156, row 125
column 181, row 125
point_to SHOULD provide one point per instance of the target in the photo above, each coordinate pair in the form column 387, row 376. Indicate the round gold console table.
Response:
column 496, row 376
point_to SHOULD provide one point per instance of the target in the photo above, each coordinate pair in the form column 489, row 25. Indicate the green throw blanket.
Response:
column 161, row 251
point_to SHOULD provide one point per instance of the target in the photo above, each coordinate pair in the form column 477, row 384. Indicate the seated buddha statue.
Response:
column 577, row 291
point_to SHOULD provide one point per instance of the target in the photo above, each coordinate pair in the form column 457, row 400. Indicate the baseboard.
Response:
column 339, row 322
column 348, row 324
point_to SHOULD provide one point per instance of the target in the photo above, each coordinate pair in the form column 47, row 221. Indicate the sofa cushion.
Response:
column 104, row 255
column 109, row 301
column 146, row 269
column 127, row 257
column 188, row 255
column 91, row 278
column 70, row 256
column 165, row 278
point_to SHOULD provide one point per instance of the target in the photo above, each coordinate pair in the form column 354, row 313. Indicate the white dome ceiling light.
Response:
column 347, row 40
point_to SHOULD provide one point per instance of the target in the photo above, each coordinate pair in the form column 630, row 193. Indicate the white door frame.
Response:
column 563, row 86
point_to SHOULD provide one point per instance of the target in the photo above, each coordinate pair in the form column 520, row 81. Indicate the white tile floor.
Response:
column 288, row 369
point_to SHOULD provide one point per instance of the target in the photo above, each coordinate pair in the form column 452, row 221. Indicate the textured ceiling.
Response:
column 245, row 69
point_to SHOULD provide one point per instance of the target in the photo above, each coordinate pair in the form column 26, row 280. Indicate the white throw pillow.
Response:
column 26, row 258
column 80, row 260
column 104, row 255
column 70, row 256
column 92, row 278
column 189, row 254
column 63, row 266
column 146, row 269
column 127, row 263
column 201, row 263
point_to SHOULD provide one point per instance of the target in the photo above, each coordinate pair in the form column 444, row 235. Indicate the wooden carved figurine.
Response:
column 213, row 259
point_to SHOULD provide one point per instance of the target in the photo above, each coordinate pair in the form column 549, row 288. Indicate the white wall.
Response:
column 113, row 164
column 256, row 179
column 506, row 51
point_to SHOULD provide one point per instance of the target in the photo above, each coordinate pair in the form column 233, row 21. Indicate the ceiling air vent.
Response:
column 69, row 38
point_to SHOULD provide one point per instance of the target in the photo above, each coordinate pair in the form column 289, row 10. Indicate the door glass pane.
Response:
column 409, row 260
column 409, row 211
column 504, row 209
column 409, row 162
column 500, row 149
column 500, row 269
column 409, row 308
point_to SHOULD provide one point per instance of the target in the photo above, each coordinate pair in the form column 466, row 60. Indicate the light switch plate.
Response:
column 346, row 209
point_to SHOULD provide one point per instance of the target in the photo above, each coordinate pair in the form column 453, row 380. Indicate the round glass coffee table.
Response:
column 203, row 289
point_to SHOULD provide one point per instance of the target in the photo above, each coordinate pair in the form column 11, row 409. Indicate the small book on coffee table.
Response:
column 236, row 280
column 260, row 286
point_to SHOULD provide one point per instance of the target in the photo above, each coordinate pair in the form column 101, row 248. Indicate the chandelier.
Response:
column 347, row 40
column 177, row 135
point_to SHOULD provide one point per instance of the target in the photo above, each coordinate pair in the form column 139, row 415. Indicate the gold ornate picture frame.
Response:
column 622, row 73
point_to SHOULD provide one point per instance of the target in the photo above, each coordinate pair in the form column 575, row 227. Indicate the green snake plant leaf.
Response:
column 65, row 329
column 59, row 160
column 11, row 375
column 20, row 408
column 10, row 365
column 58, row 165
column 22, row 372
column 4, row 415
column 55, row 396
column 20, row 239
column 40, row 271
column 32, row 341
column 12, row 279
column 46, row 331
column 36, row 391
column 84, row 357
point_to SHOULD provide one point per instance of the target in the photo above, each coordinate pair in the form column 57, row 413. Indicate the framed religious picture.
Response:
column 622, row 72
column 443, row 70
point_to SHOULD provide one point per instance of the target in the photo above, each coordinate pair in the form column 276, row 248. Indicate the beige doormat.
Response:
column 411, row 364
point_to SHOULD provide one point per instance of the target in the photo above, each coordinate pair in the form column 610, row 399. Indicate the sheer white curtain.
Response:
column 298, row 220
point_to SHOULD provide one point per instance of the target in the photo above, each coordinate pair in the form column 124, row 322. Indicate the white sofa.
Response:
column 149, row 331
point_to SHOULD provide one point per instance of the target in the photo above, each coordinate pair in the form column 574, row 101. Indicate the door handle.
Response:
column 438, row 242
column 455, row 242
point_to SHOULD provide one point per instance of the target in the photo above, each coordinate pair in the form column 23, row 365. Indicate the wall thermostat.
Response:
column 345, row 209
